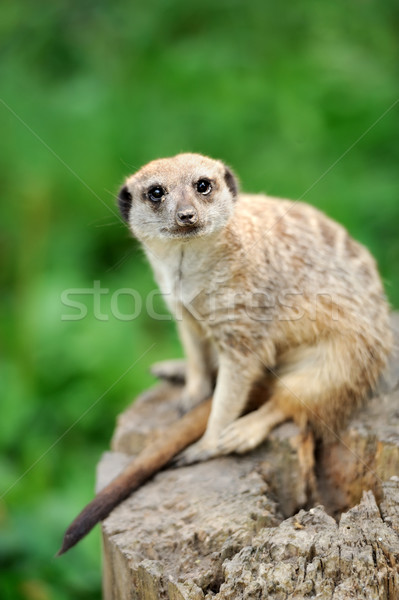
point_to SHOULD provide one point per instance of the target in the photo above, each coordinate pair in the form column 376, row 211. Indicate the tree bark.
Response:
column 241, row 527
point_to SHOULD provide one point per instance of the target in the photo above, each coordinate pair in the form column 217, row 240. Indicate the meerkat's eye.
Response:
column 156, row 193
column 204, row 186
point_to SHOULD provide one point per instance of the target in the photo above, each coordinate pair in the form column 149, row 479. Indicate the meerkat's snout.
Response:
column 186, row 216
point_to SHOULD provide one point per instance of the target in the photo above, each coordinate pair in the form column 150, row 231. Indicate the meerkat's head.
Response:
column 186, row 196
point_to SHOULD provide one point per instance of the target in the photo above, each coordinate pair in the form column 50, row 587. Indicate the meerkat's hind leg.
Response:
column 251, row 430
column 173, row 371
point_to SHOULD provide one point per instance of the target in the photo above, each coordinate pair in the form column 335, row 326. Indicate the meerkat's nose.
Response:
column 186, row 216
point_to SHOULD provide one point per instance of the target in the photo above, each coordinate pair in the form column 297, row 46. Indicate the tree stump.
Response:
column 241, row 527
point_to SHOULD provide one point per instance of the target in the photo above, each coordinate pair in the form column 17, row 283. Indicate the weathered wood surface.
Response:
column 236, row 527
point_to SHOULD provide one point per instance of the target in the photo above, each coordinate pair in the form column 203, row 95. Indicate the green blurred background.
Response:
column 90, row 92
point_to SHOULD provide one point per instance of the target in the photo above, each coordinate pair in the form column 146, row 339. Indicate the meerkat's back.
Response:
column 311, row 253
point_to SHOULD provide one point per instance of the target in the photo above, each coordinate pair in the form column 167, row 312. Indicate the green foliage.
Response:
column 291, row 96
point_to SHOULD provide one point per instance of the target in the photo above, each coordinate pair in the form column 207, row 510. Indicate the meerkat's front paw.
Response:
column 198, row 452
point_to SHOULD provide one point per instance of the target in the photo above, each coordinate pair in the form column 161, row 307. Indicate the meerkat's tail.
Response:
column 169, row 443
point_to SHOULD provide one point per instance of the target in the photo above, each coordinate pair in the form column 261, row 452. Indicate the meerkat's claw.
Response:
column 173, row 371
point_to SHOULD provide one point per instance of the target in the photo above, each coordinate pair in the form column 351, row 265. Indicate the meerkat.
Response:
column 264, row 290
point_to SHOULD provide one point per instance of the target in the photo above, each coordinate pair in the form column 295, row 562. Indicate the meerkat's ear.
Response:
column 124, row 202
column 231, row 182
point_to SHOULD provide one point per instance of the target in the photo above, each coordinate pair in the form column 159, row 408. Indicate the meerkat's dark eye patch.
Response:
column 124, row 202
column 231, row 182
column 204, row 186
column 156, row 193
